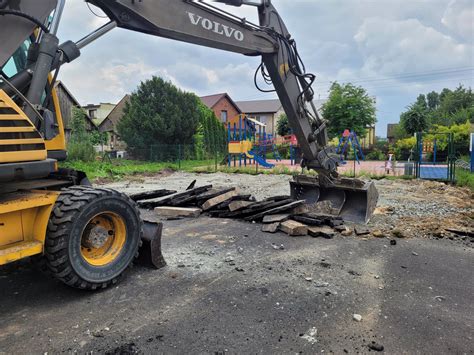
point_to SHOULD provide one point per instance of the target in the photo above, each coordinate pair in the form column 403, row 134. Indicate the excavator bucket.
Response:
column 354, row 200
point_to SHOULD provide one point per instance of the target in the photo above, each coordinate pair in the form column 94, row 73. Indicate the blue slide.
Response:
column 260, row 160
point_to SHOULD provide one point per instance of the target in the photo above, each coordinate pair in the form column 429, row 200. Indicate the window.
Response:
column 224, row 116
column 263, row 119
column 92, row 113
column 17, row 62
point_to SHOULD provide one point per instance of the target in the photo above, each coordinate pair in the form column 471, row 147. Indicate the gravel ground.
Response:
column 412, row 208
column 261, row 186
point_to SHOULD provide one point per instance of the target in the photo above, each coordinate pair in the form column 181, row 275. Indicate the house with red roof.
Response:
column 223, row 106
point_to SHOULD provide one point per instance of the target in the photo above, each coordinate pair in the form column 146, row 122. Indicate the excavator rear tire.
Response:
column 93, row 236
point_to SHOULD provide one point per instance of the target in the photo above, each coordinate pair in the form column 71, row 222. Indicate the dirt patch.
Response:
column 422, row 209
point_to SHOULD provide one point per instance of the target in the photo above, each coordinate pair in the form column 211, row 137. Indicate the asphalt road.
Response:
column 228, row 289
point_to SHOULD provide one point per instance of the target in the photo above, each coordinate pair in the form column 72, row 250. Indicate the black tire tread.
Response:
column 71, row 201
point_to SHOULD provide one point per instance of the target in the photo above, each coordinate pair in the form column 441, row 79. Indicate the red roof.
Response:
column 212, row 100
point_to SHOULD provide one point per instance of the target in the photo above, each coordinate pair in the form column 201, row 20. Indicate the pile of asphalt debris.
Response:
column 278, row 213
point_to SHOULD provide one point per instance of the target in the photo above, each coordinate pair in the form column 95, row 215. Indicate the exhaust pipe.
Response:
column 353, row 200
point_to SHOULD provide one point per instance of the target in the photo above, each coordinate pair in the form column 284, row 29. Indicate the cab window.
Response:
column 18, row 60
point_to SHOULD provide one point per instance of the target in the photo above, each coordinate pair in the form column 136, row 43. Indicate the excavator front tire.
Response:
column 93, row 236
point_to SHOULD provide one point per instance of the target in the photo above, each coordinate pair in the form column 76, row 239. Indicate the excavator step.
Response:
column 17, row 251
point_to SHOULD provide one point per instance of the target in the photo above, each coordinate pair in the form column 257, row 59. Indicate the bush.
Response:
column 80, row 146
column 83, row 151
column 283, row 126
column 376, row 155
column 465, row 178
column 159, row 113
column 404, row 148
column 211, row 137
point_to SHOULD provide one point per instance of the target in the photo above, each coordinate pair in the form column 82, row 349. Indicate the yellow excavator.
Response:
column 86, row 236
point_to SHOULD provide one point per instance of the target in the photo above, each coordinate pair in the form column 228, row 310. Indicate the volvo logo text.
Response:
column 216, row 27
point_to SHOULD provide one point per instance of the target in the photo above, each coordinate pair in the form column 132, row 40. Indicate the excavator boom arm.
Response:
column 203, row 24
column 188, row 21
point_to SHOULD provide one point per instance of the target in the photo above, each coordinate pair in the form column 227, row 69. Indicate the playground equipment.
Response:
column 349, row 138
column 249, row 143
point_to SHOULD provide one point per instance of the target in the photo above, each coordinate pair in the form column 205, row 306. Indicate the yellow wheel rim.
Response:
column 103, row 239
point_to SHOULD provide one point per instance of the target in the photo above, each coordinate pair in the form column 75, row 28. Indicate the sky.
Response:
column 396, row 49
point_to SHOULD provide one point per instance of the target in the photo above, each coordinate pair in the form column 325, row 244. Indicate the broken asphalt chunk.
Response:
column 360, row 230
column 293, row 228
column 270, row 228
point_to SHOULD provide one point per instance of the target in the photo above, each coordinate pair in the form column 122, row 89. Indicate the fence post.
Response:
column 471, row 149
column 229, row 139
column 355, row 158
column 179, row 156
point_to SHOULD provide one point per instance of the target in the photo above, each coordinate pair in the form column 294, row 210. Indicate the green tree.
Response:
column 450, row 107
column 461, row 99
column 400, row 132
column 80, row 146
column 349, row 107
column 98, row 138
column 433, row 100
column 159, row 113
column 211, row 135
column 421, row 102
column 415, row 119
column 283, row 126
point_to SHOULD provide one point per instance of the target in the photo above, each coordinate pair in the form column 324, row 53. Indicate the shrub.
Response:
column 82, row 151
column 376, row 155
column 283, row 126
column 404, row 148
column 465, row 178
column 80, row 146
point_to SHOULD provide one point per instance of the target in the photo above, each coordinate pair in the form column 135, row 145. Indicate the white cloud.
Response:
column 459, row 18
column 111, row 82
column 119, row 76
column 391, row 47
column 344, row 40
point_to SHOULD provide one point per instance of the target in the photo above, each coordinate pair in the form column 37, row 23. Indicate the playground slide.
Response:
column 259, row 160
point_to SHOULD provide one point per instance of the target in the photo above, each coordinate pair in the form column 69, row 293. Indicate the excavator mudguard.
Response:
column 354, row 200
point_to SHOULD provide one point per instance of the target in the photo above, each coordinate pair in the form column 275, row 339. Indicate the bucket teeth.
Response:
column 352, row 199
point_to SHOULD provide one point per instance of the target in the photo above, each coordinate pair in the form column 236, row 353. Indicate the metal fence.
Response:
column 181, row 155
column 422, row 161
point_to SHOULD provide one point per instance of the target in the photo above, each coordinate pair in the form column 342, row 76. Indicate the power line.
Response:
column 396, row 85
column 432, row 81
column 455, row 75
column 408, row 75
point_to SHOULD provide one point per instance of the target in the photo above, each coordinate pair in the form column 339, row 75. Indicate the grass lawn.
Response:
column 465, row 178
column 251, row 170
column 118, row 169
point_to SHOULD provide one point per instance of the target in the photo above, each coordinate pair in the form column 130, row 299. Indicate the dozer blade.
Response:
column 150, row 251
column 352, row 199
